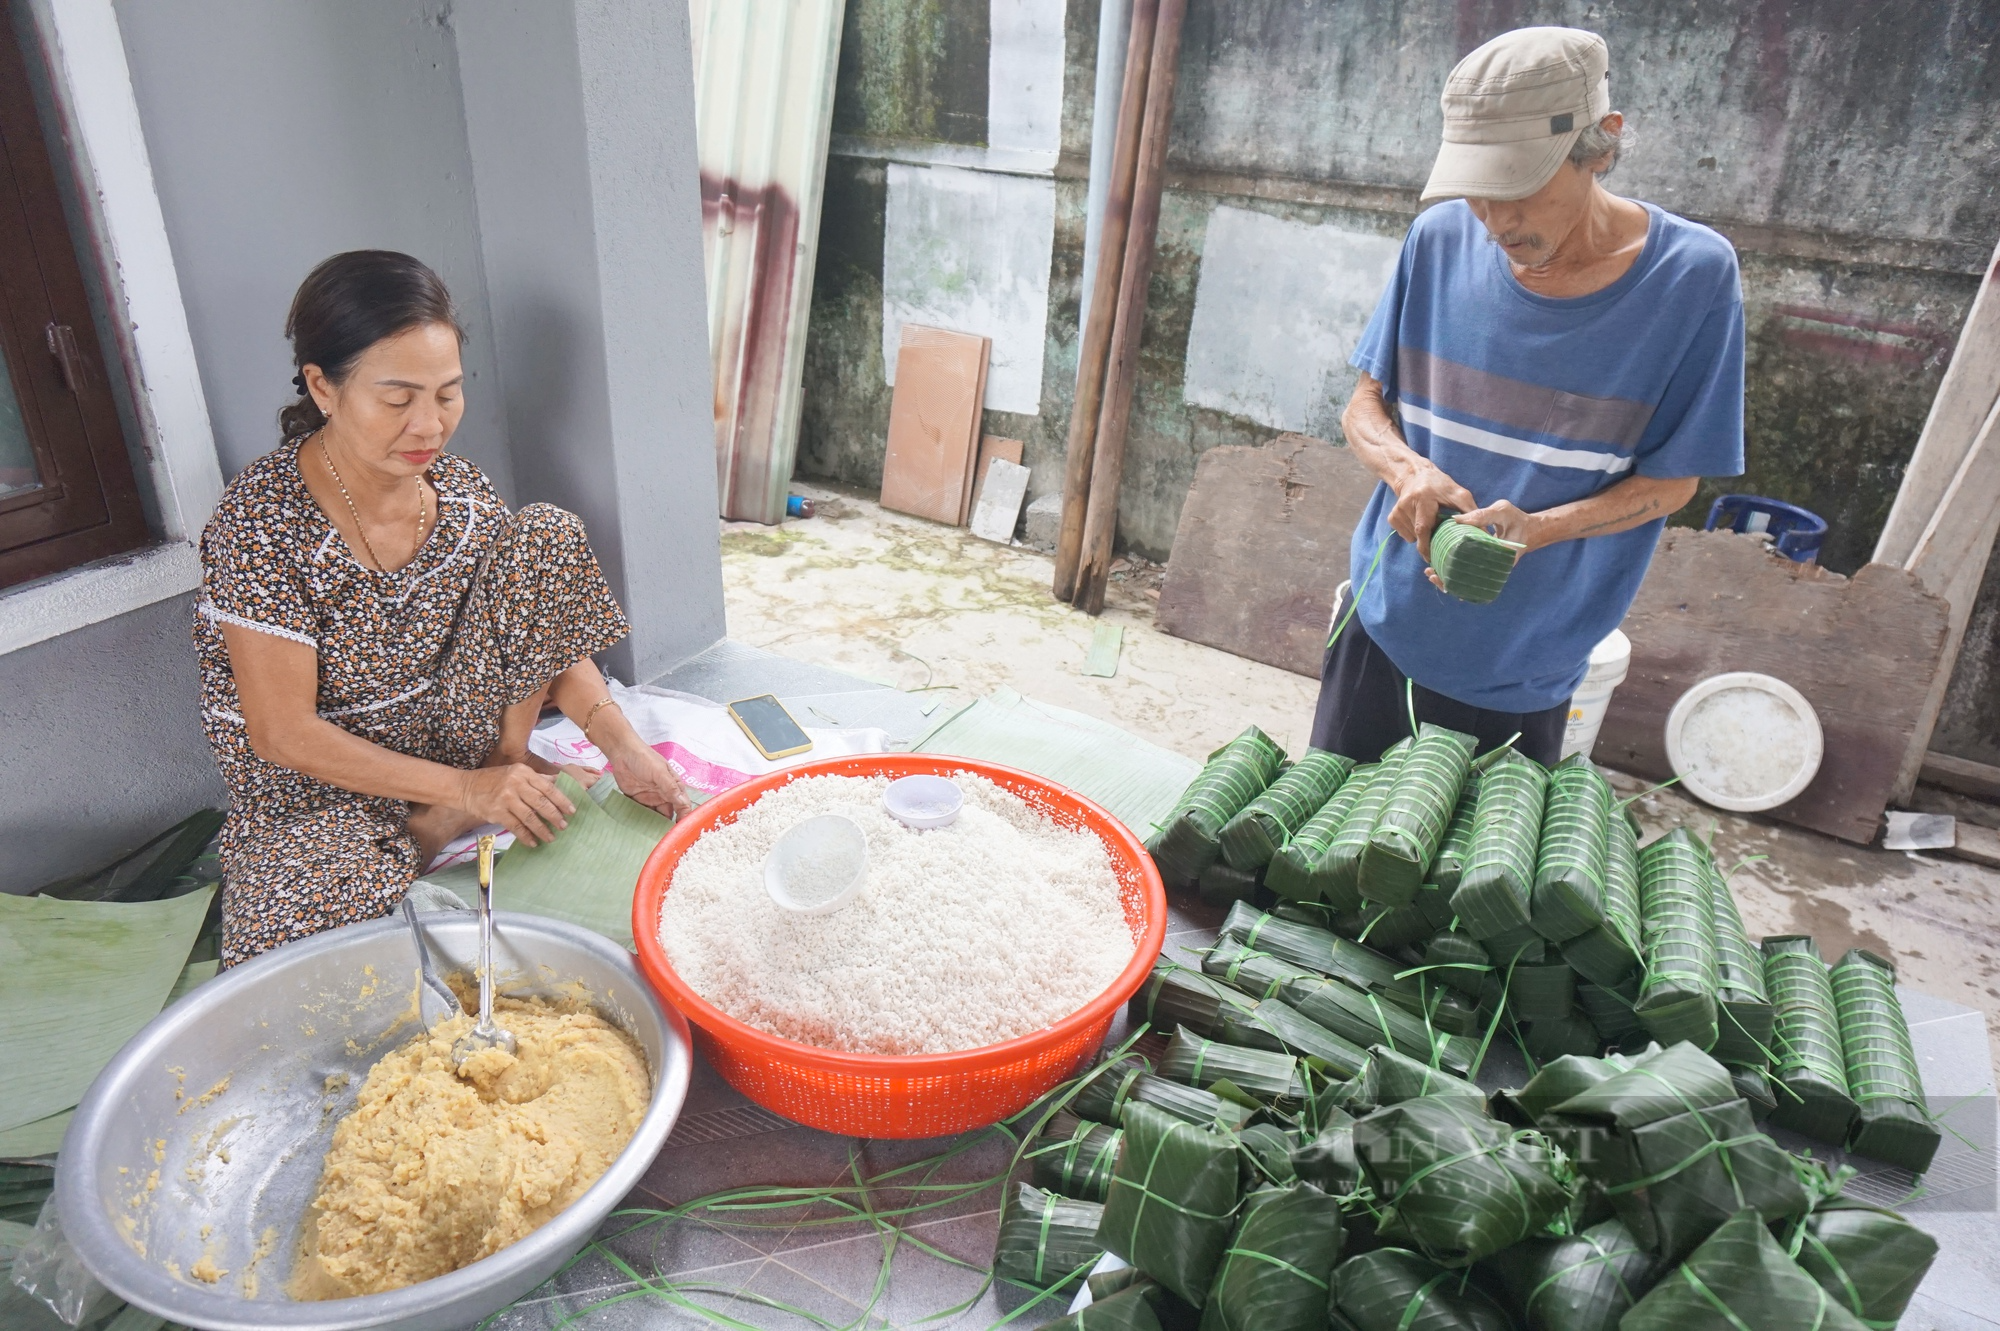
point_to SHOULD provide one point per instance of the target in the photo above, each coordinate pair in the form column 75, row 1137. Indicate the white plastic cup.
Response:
column 924, row 802
column 818, row 866
column 1609, row 662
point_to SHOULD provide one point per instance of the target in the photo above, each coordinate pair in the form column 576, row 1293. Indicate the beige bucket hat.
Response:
column 1513, row 108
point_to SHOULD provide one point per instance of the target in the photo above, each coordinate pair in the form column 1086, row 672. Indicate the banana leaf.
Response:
column 1754, row 1085
column 1538, row 993
column 1609, row 1011
column 1393, row 1289
column 1449, row 866
column 1676, row 1151
column 1328, row 1161
column 1581, row 1282
column 172, row 864
column 1046, row 1241
column 1810, row 1069
column 1219, row 884
column 1104, row 1098
column 1293, row 871
column 1338, row 875
column 1176, row 996
column 1554, row 1037
column 1869, row 1259
column 1744, row 1014
column 1472, row 563
column 1277, row 1271
column 1427, row 911
column 1188, row 840
column 1172, row 1201
column 1399, row 1078
column 1253, row 836
column 1129, row 1309
column 1309, row 946
column 1459, row 960
column 1609, row 954
column 1739, row 1278
column 1495, row 889
column 1677, row 934
column 1568, row 896
column 1458, row 1184
column 1267, row 1154
column 1272, row 1025
column 1443, row 1007
column 1520, row 945
column 1891, row 1123
column 1073, row 1157
column 1257, row 974
column 1411, row 825
column 1270, row 1077
column 1562, row 1078
column 1366, row 1019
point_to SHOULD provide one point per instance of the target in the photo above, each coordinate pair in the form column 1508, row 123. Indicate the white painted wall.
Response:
column 1278, row 309
column 1024, row 75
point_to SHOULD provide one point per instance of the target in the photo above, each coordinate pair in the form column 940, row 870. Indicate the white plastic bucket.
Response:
column 1609, row 661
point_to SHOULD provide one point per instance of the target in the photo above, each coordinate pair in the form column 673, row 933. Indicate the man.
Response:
column 1551, row 362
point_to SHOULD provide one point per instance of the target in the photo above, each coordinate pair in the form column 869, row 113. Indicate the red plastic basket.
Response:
column 923, row 1095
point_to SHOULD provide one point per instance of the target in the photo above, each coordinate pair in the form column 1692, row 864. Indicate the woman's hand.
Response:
column 645, row 776
column 518, row 798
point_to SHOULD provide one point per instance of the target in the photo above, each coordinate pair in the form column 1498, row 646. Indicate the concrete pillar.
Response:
column 580, row 118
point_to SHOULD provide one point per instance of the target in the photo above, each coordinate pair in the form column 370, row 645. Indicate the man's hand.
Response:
column 1421, row 488
column 1420, row 492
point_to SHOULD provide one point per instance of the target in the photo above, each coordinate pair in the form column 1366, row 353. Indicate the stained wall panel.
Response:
column 764, row 79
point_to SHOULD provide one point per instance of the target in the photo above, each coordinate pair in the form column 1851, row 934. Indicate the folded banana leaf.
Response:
column 1677, row 934
column 1581, row 1282
column 1869, row 1259
column 1458, row 1184
column 1103, row 1099
column 1268, row 1076
column 1739, row 1278
column 1427, row 911
column 1443, row 1007
column 1449, row 865
column 1272, row 1025
column 1188, row 840
column 1411, row 825
column 1676, row 1150
column 1256, row 974
column 1175, row 996
column 1609, row 1011
column 1809, row 1068
column 1073, row 1157
column 1399, row 1078
column 1172, row 1202
column 1754, row 1085
column 1538, row 993
column 1568, row 896
column 1295, row 871
column 1338, row 875
column 1744, row 1016
column 1355, row 1095
column 164, row 867
column 1471, row 563
column 1554, row 1037
column 1609, row 954
column 1046, row 1241
column 1495, row 890
column 1459, row 960
column 1562, row 1078
column 1267, row 1154
column 1393, row 1289
column 1892, row 1122
column 1327, row 1161
column 1520, row 945
column 1276, row 1273
column 1129, row 1309
column 1309, row 946
column 1366, row 1018
column 1253, row 836
column 1219, row 885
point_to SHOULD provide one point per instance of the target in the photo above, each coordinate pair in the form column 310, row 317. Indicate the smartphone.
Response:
column 770, row 727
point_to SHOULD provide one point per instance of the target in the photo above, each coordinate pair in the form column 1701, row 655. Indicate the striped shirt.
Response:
column 1543, row 401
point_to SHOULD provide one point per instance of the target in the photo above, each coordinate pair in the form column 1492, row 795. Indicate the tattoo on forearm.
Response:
column 1642, row 513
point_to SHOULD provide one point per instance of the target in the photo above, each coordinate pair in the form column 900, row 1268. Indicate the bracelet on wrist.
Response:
column 591, row 715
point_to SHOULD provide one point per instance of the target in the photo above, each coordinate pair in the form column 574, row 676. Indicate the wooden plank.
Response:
column 1980, row 845
column 1965, row 398
column 1714, row 602
column 1980, row 780
column 933, row 422
column 969, row 481
column 1000, row 499
column 1261, row 548
column 992, row 446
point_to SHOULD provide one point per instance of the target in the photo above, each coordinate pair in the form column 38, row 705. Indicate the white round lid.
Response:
column 1744, row 741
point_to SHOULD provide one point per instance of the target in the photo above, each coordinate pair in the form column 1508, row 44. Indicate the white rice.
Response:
column 994, row 927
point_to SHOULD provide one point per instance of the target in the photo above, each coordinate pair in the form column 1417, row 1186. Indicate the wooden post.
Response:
column 1108, row 465
column 1095, row 344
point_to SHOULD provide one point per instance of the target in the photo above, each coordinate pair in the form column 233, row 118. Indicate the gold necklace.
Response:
column 355, row 513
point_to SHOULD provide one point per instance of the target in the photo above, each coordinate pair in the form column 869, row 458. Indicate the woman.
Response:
column 378, row 634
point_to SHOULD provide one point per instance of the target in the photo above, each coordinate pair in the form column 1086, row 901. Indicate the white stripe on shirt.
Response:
column 1509, row 446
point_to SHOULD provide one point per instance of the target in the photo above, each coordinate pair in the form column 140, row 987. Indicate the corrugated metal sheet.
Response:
column 764, row 74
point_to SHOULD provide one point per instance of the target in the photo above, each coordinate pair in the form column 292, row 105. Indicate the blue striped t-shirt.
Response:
column 1543, row 401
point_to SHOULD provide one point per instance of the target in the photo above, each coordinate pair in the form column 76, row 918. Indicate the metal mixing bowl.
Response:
column 160, row 1168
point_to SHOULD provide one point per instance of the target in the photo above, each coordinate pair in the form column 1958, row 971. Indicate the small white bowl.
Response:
column 924, row 802
column 818, row 866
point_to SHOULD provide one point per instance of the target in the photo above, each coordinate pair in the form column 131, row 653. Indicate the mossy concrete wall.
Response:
column 1847, row 148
